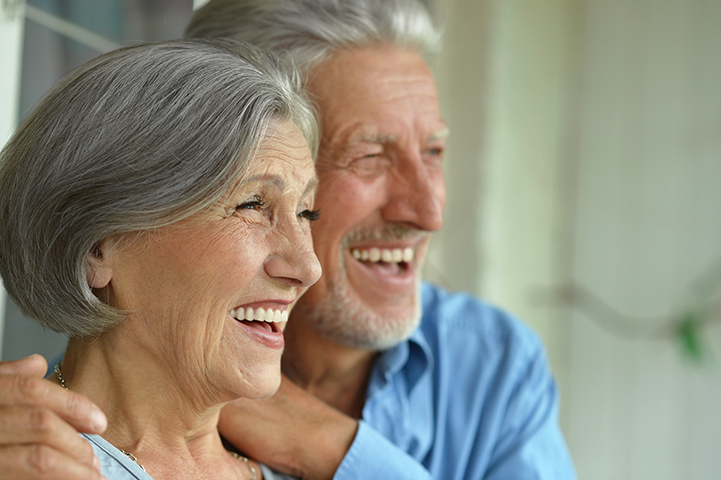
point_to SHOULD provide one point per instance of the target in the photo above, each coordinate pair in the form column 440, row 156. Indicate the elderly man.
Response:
column 385, row 377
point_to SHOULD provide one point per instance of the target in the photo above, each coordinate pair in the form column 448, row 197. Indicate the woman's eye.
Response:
column 310, row 215
column 253, row 204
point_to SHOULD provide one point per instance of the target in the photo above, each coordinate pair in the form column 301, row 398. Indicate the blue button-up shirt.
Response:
column 468, row 396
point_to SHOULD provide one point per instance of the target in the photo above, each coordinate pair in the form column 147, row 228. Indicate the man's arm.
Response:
column 292, row 432
column 39, row 424
column 297, row 434
column 531, row 445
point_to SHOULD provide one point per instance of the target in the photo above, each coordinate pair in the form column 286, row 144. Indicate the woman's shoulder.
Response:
column 115, row 465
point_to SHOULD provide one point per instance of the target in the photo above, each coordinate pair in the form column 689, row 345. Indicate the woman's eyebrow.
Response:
column 279, row 182
column 274, row 179
column 311, row 186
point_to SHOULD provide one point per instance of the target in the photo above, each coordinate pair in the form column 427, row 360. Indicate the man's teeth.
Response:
column 259, row 314
column 375, row 255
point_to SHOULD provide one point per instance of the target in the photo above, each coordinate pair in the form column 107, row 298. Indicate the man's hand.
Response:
column 292, row 432
column 39, row 424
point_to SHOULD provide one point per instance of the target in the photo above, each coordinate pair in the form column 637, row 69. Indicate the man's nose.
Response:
column 416, row 195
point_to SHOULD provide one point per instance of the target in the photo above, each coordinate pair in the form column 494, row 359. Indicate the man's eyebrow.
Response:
column 380, row 138
column 369, row 138
column 383, row 138
column 439, row 135
column 375, row 138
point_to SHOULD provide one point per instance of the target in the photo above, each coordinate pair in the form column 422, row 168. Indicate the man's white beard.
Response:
column 345, row 319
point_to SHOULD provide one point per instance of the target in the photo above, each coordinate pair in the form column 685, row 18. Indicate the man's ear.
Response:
column 99, row 269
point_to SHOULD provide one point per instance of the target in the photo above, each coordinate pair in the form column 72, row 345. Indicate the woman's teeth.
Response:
column 375, row 255
column 259, row 314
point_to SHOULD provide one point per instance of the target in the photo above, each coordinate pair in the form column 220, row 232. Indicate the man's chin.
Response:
column 347, row 320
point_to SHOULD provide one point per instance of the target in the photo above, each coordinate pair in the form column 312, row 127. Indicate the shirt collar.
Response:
column 412, row 357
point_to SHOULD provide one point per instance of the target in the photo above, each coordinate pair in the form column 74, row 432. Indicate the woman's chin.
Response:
column 262, row 383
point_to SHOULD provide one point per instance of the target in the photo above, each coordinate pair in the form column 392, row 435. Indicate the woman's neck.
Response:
column 153, row 412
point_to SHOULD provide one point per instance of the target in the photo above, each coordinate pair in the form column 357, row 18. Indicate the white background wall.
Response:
column 647, row 225
column 586, row 140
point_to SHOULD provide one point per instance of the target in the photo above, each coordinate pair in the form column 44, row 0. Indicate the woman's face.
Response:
column 191, row 286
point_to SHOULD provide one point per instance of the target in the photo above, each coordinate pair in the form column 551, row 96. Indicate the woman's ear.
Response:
column 98, row 268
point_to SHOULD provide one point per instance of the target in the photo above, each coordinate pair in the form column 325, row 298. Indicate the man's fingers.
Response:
column 40, row 462
column 78, row 411
column 36, row 425
column 33, row 366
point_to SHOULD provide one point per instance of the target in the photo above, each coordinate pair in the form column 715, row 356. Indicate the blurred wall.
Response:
column 646, row 242
column 584, row 169
column 508, row 85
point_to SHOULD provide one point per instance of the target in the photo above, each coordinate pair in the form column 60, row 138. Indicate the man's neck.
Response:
column 334, row 373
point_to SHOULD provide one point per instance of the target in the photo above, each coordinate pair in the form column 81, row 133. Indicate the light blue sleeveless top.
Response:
column 115, row 465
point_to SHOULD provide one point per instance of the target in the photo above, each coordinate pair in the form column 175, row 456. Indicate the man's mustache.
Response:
column 385, row 233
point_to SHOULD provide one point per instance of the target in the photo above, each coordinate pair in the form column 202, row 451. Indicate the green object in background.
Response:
column 688, row 334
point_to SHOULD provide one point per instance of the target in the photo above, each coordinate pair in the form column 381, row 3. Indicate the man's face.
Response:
column 381, row 193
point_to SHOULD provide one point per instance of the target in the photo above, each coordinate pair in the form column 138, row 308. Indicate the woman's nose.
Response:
column 293, row 259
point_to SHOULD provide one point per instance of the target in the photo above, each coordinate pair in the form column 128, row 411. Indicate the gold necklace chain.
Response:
column 132, row 457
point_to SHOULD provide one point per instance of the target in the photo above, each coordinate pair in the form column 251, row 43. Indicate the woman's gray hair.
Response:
column 308, row 30
column 136, row 139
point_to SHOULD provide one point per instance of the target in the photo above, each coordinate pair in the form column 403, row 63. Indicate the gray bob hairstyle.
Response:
column 136, row 139
column 309, row 30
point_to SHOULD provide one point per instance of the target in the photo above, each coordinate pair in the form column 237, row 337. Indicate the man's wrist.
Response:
column 324, row 451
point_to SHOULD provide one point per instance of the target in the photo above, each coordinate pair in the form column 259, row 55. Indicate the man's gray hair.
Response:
column 308, row 30
column 136, row 139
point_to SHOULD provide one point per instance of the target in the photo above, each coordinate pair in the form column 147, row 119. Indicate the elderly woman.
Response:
column 156, row 207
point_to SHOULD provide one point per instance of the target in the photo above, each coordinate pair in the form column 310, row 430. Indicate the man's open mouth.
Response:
column 389, row 261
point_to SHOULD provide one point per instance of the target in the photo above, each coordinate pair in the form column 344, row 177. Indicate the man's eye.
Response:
column 433, row 155
column 310, row 215
column 435, row 151
column 369, row 165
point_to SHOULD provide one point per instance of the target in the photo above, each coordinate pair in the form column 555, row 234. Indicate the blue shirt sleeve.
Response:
column 495, row 399
column 530, row 444
column 373, row 456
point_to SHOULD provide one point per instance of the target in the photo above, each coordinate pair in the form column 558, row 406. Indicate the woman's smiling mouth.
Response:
column 262, row 324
